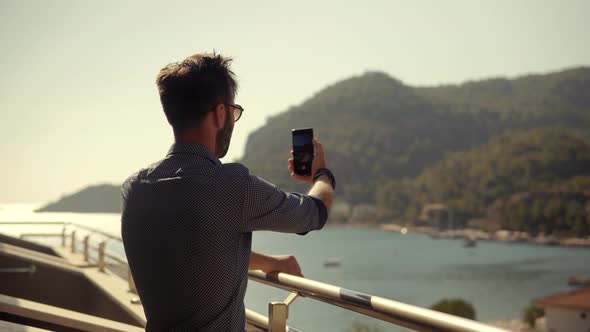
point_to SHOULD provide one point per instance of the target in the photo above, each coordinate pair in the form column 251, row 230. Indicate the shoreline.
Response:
column 501, row 236
column 466, row 234
column 471, row 234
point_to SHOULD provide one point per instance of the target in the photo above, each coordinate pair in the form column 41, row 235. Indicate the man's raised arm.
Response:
column 267, row 207
column 290, row 212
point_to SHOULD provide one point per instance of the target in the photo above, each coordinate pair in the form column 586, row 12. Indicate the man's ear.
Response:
column 219, row 116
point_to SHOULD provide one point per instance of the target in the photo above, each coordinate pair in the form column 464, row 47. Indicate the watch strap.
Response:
column 326, row 172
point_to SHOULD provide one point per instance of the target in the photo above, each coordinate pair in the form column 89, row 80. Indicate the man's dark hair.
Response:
column 193, row 87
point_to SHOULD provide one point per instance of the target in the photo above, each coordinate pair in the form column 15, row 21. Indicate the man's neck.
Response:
column 208, row 143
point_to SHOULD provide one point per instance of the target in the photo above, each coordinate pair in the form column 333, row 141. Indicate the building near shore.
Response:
column 567, row 311
column 438, row 216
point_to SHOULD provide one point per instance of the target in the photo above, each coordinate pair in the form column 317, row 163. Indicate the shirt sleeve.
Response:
column 267, row 207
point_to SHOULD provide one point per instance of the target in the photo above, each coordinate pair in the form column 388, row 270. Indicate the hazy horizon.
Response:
column 79, row 103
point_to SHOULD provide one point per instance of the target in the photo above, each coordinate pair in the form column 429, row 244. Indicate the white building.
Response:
column 567, row 312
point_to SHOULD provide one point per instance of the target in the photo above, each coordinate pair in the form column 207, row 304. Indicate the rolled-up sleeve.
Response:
column 267, row 207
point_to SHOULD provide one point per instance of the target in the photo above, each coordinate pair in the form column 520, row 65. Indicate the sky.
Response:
column 79, row 104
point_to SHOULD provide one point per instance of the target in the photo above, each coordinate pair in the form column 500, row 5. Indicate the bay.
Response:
column 499, row 279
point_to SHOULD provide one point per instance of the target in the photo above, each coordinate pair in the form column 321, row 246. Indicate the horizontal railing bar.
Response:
column 256, row 319
column 19, row 270
column 23, row 235
column 33, row 223
column 413, row 317
column 97, row 231
column 64, row 223
column 63, row 319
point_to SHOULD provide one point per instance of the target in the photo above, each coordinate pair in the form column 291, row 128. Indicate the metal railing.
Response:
column 409, row 316
column 101, row 258
column 398, row 313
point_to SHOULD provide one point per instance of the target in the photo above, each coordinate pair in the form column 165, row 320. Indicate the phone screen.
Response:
column 302, row 150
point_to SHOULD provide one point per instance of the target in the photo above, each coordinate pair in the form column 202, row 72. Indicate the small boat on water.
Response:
column 332, row 262
column 470, row 243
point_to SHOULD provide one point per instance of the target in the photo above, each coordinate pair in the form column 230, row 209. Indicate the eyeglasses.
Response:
column 237, row 111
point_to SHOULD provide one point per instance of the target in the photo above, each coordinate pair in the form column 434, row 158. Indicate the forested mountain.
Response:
column 375, row 128
column 541, row 165
column 564, row 92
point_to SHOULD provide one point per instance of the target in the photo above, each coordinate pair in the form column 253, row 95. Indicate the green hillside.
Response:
column 375, row 128
column 564, row 92
column 556, row 212
column 540, row 161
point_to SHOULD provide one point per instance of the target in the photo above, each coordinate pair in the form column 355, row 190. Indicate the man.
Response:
column 187, row 220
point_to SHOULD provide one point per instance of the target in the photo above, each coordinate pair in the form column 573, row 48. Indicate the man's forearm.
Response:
column 322, row 188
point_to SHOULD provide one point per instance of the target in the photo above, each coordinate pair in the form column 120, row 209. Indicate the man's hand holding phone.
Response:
column 314, row 173
column 317, row 163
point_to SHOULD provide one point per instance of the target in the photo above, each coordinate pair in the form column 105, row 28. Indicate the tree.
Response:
column 531, row 313
column 457, row 307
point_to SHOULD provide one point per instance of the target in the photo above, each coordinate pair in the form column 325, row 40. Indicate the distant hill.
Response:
column 376, row 128
column 98, row 198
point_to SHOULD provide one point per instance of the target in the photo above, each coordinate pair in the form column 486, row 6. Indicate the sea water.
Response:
column 499, row 279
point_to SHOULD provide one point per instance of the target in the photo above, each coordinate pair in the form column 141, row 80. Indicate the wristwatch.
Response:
column 326, row 172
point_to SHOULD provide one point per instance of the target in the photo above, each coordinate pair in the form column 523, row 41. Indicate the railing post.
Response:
column 131, row 281
column 101, row 262
column 73, row 241
column 63, row 236
column 278, row 312
column 86, row 238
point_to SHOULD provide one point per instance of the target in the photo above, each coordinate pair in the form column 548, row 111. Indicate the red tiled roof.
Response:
column 576, row 299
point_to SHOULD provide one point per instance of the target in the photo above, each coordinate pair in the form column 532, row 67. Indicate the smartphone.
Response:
column 302, row 150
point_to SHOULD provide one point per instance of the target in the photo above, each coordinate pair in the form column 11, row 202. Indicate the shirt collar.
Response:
column 192, row 148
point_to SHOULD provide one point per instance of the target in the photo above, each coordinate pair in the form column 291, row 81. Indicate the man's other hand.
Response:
column 286, row 264
column 274, row 263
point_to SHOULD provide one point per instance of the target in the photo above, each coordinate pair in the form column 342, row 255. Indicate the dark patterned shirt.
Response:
column 187, row 225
